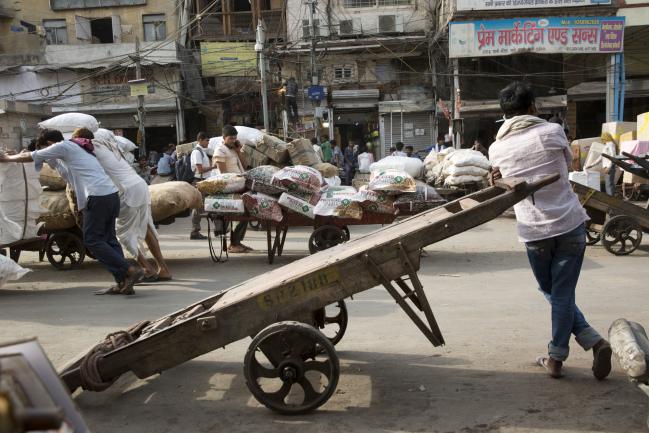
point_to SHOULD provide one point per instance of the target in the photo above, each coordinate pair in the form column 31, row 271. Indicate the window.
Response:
column 155, row 27
column 58, row 5
column 306, row 28
column 56, row 32
column 343, row 72
column 101, row 30
column 306, row 73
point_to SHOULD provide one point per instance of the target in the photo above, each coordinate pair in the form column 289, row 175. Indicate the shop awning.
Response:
column 355, row 98
column 543, row 104
column 405, row 106
column 596, row 90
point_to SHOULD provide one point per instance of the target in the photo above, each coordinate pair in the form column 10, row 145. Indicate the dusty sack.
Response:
column 19, row 202
column 297, row 205
column 302, row 153
column 225, row 204
column 172, row 198
column 226, row 183
column 339, row 206
column 426, row 197
column 51, row 179
column 68, row 122
column 392, row 182
column 469, row 157
column 361, row 179
column 253, row 158
column 298, row 178
column 263, row 206
column 459, row 180
column 412, row 166
column 260, row 179
column 274, row 148
column 326, row 169
column 58, row 214
column 375, row 201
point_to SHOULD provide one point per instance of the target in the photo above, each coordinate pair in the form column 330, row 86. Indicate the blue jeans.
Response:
column 556, row 263
column 99, row 234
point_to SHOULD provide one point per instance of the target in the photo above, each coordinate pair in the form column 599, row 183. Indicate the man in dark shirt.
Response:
column 290, row 93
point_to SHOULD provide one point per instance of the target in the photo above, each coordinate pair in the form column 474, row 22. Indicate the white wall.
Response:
column 414, row 16
column 26, row 86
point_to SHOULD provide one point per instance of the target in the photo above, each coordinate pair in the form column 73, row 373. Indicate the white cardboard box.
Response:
column 591, row 180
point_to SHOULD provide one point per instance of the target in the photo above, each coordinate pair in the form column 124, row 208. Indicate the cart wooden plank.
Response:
column 603, row 202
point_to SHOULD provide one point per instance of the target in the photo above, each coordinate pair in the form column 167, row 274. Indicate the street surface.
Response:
column 392, row 380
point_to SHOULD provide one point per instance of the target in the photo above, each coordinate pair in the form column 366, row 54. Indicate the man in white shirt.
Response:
column 201, row 168
column 551, row 222
column 317, row 149
column 227, row 158
column 97, row 197
column 399, row 151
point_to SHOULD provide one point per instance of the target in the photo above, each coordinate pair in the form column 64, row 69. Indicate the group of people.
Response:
column 113, row 199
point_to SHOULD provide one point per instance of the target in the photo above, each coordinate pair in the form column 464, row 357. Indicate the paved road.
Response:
column 392, row 380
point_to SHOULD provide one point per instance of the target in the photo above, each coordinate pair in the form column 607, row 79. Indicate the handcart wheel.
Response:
column 621, row 235
column 346, row 231
column 291, row 368
column 62, row 247
column 334, row 314
column 254, row 225
column 325, row 237
column 14, row 254
column 630, row 192
column 592, row 236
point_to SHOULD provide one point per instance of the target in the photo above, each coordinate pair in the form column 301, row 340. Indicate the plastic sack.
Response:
column 392, row 182
column 361, row 179
column 465, row 170
column 212, row 145
column 260, row 179
column 124, row 144
column 297, row 205
column 20, row 208
column 309, row 197
column 459, row 180
column 375, row 201
column 263, row 206
column 423, row 199
column 302, row 153
column 247, row 135
column 172, row 198
column 10, row 270
column 468, row 157
column 333, row 181
column 412, row 166
column 339, row 206
column 227, row 183
column 225, row 204
column 68, row 122
column 298, row 178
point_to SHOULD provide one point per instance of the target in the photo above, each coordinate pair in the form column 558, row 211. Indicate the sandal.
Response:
column 150, row 279
column 116, row 290
column 553, row 368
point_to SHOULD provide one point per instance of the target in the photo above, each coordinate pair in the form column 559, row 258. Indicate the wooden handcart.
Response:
column 637, row 165
column 617, row 223
column 290, row 366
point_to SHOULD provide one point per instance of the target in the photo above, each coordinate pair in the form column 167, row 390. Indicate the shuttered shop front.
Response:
column 412, row 128
column 127, row 120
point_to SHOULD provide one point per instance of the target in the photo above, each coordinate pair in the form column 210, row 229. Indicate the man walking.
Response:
column 551, row 223
column 227, row 158
column 97, row 197
column 201, row 167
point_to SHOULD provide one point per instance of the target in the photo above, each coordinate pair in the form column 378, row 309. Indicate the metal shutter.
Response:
column 393, row 132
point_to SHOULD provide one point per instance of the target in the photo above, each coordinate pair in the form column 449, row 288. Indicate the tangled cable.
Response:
column 91, row 379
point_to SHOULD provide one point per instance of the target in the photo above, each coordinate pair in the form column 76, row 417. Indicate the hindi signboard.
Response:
column 539, row 35
column 228, row 59
column 493, row 5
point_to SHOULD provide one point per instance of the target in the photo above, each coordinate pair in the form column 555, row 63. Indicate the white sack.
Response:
column 68, row 122
column 468, row 157
column 412, row 166
column 249, row 136
column 465, row 170
column 459, row 180
column 124, row 144
column 15, row 195
column 10, row 270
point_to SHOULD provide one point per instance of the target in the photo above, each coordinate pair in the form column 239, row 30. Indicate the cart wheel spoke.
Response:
column 621, row 235
column 261, row 371
column 279, row 396
column 320, row 366
column 309, row 392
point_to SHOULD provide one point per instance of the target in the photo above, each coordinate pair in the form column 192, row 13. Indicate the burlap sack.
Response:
column 252, row 158
column 274, row 148
column 226, row 183
column 51, row 179
column 302, row 153
column 326, row 169
column 172, row 198
column 58, row 215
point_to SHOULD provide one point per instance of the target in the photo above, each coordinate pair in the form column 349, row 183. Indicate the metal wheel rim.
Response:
column 65, row 246
column 340, row 319
column 325, row 237
column 592, row 236
column 621, row 235
column 292, row 350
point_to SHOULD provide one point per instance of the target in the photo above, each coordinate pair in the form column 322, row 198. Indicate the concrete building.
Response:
column 372, row 60
column 81, row 55
column 19, row 123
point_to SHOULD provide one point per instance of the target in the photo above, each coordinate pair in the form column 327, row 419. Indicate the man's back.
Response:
column 531, row 153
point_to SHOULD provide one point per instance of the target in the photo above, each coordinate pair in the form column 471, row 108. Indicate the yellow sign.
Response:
column 228, row 59
column 300, row 290
column 139, row 89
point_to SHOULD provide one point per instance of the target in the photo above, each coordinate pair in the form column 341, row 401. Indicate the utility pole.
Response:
column 140, row 100
column 314, row 71
column 259, row 47
column 456, row 103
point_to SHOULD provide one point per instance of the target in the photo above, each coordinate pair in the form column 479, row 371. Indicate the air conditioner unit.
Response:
column 390, row 24
column 349, row 27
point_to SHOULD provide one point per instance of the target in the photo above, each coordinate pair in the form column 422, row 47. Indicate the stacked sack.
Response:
column 433, row 164
column 170, row 199
column 19, row 202
column 465, row 166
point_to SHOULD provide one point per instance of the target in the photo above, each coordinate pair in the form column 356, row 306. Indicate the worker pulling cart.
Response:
column 283, row 307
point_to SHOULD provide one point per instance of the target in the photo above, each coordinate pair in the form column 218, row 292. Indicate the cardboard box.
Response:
column 591, row 180
column 584, row 147
column 628, row 136
column 616, row 129
column 632, row 178
column 593, row 161
column 643, row 127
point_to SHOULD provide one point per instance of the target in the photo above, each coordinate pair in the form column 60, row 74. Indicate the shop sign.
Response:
column 228, row 59
column 539, row 35
column 493, row 5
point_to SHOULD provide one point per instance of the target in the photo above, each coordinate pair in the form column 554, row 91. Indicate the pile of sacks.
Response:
column 454, row 168
column 19, row 202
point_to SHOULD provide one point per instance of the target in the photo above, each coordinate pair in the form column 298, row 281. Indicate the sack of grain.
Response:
column 57, row 214
column 392, row 182
column 375, row 201
column 184, row 149
column 424, row 198
column 253, row 158
column 459, row 180
column 247, row 135
column 225, row 204
column 361, row 179
column 172, row 198
column 262, row 206
column 274, row 148
column 68, row 122
column 218, row 183
column 302, row 153
column 465, row 170
column 326, row 169
column 309, row 197
column 20, row 193
column 469, row 157
column 260, row 179
column 333, row 181
column 10, row 270
column 412, row 166
column 298, row 178
column 339, row 206
column 51, row 179
column 297, row 205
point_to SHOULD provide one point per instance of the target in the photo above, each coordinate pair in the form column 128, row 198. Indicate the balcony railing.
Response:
column 239, row 26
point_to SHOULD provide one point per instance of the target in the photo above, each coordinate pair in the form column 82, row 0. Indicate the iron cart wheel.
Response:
column 65, row 247
column 335, row 315
column 291, row 368
column 592, row 235
column 621, row 235
column 325, row 237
